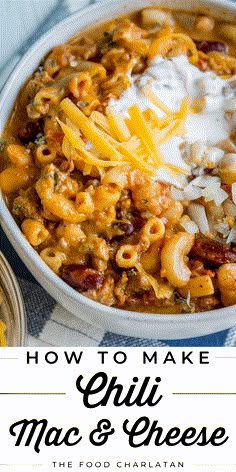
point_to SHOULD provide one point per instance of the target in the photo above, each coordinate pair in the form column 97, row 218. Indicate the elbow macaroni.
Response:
column 34, row 231
column 18, row 155
column 153, row 230
column 173, row 259
column 127, row 256
column 52, row 258
column 227, row 283
column 81, row 179
column 45, row 155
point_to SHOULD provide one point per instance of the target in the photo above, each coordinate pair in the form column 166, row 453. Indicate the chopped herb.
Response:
column 83, row 104
column 188, row 309
column 37, row 103
column 107, row 42
column 184, row 310
column 131, row 272
column 52, row 62
column 17, row 207
column 2, row 144
column 40, row 139
column 145, row 201
column 111, row 44
column 187, row 306
column 39, row 70
column 179, row 299
column 55, row 177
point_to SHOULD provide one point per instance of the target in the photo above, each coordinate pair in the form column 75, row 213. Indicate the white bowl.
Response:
column 112, row 319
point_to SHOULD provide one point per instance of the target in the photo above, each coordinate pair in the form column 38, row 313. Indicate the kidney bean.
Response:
column 213, row 252
column 209, row 46
column 127, row 228
column 138, row 221
column 82, row 277
column 30, row 130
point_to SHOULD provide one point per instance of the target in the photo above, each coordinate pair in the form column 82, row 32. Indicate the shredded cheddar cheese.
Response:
column 148, row 92
column 100, row 120
column 117, row 125
column 89, row 129
column 142, row 129
column 83, row 154
column 115, row 140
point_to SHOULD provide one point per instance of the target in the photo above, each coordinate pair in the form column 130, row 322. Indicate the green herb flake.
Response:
column 55, row 177
column 39, row 70
column 144, row 200
column 40, row 139
column 17, row 207
column 111, row 44
column 37, row 103
column 178, row 298
column 52, row 62
column 83, row 104
column 2, row 144
column 187, row 305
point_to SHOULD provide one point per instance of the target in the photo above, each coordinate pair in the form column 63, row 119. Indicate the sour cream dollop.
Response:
column 172, row 79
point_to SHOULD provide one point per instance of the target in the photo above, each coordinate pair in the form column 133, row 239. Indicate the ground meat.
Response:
column 82, row 277
column 54, row 137
column 27, row 205
column 197, row 268
column 210, row 302
column 208, row 46
column 149, row 195
column 61, row 56
column 144, row 298
column 105, row 294
column 120, row 289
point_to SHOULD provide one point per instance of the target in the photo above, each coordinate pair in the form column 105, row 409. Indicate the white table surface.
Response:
column 18, row 21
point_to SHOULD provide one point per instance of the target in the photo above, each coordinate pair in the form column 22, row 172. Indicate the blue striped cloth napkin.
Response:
column 49, row 324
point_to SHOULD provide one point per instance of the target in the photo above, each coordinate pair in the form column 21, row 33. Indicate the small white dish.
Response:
column 12, row 311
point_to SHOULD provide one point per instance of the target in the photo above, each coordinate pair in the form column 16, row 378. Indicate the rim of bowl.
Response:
column 15, row 301
column 8, row 223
